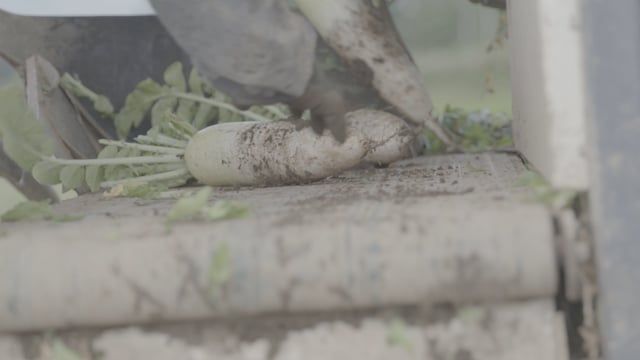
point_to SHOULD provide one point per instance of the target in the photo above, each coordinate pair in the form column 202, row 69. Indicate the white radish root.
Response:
column 268, row 153
column 388, row 138
column 358, row 31
column 275, row 153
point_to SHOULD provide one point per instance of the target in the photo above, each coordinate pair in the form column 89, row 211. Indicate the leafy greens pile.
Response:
column 177, row 109
column 476, row 131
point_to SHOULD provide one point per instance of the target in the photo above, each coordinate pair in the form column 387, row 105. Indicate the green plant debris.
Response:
column 196, row 207
column 219, row 268
column 502, row 33
column 544, row 193
column 188, row 208
column 470, row 168
column 472, row 314
column 398, row 335
column 142, row 190
column 35, row 210
column 476, row 131
column 24, row 138
column 190, row 99
column 60, row 351
column 224, row 210
column 101, row 103
column 116, row 164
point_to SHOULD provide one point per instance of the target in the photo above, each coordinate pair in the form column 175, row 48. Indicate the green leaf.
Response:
column 224, row 115
column 219, row 269
column 478, row 131
column 150, row 88
column 177, row 128
column 72, row 176
column 532, row 180
column 186, row 109
column 127, row 152
column 136, row 106
column 204, row 116
column 146, row 191
column 20, row 151
column 120, row 172
column 132, row 114
column 124, row 121
column 29, row 210
column 174, row 77
column 224, row 210
column 103, row 105
column 189, row 207
column 504, row 142
column 108, row 152
column 73, row 85
column 94, row 177
column 60, row 351
column 25, row 139
column 469, row 167
column 471, row 314
column 434, row 144
column 141, row 190
column 555, row 199
column 160, row 108
column 398, row 335
column 47, row 172
column 197, row 84
column 200, row 114
column 35, row 210
column 65, row 218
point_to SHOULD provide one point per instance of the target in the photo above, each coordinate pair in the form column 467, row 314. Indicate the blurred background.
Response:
column 449, row 40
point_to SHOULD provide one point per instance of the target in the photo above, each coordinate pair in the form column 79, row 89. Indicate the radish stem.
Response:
column 248, row 114
column 274, row 110
column 137, row 160
column 143, row 147
column 162, row 140
column 169, row 175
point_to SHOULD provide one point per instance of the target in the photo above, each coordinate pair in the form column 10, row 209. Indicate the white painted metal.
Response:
column 545, row 42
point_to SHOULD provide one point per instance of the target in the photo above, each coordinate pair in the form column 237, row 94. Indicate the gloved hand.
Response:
column 257, row 52
column 327, row 109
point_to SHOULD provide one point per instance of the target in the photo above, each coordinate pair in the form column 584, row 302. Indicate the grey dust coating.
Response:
column 419, row 231
column 522, row 330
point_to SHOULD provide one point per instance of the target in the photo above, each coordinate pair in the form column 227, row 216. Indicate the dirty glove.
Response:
column 257, row 52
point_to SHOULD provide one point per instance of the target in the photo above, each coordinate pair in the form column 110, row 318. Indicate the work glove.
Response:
column 257, row 52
